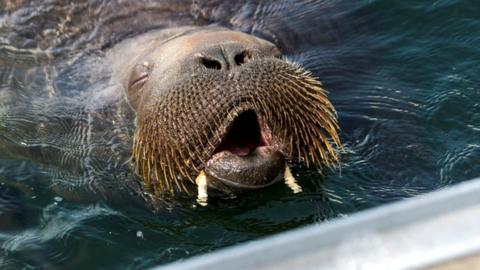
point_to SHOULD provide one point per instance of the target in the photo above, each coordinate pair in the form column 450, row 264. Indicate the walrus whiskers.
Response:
column 288, row 99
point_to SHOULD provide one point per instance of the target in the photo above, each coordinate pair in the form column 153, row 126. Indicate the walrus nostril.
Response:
column 242, row 58
column 211, row 63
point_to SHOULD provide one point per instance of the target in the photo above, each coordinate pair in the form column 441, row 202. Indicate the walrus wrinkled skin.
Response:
column 223, row 102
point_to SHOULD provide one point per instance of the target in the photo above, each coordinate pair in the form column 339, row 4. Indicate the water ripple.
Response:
column 402, row 76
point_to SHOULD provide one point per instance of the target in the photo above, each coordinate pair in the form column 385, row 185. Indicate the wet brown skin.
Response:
column 223, row 102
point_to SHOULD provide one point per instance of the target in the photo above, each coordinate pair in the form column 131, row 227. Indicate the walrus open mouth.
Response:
column 243, row 136
column 246, row 157
column 234, row 130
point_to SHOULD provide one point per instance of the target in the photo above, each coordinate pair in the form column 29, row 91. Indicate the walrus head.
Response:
column 224, row 104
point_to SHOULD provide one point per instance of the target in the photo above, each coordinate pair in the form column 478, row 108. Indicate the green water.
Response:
column 403, row 76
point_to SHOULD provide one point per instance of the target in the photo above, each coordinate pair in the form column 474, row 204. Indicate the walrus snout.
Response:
column 219, row 108
column 246, row 158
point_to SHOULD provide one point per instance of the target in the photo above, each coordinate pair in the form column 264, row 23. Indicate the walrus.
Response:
column 220, row 108
column 207, row 106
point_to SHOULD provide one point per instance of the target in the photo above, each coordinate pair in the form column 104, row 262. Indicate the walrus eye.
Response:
column 139, row 75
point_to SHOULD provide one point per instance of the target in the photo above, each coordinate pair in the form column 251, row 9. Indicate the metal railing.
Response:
column 442, row 227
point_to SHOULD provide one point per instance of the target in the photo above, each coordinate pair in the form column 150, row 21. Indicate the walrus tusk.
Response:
column 291, row 181
column 202, row 195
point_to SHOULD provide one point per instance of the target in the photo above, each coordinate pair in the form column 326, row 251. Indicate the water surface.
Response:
column 403, row 76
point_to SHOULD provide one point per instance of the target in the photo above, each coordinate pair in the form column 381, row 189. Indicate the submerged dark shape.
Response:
column 225, row 102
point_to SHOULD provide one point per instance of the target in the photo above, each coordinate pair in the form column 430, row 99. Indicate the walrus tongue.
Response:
column 241, row 150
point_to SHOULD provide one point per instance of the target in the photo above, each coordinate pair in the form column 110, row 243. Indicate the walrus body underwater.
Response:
column 216, row 107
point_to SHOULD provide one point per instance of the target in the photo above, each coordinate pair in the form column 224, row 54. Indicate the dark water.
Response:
column 403, row 75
